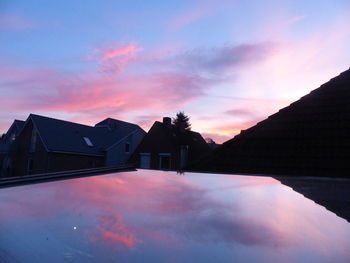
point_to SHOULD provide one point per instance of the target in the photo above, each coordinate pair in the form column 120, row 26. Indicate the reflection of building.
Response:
column 309, row 137
column 165, row 147
column 50, row 145
column 333, row 194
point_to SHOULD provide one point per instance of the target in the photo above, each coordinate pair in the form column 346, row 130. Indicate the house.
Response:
column 165, row 147
column 310, row 137
column 50, row 145
column 8, row 147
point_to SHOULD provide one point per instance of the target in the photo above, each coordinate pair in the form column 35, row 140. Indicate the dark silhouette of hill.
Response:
column 309, row 137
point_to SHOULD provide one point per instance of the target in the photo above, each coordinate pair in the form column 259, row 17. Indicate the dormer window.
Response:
column 88, row 141
column 33, row 141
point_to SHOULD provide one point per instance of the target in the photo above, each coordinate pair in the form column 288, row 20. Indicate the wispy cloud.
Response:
column 241, row 112
column 200, row 10
column 175, row 79
column 14, row 22
column 217, row 62
column 114, row 58
column 158, row 91
column 188, row 17
column 226, row 58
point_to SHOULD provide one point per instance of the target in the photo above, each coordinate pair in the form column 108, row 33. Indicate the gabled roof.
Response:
column 117, row 130
column 176, row 138
column 15, row 129
column 113, row 123
column 64, row 136
column 19, row 125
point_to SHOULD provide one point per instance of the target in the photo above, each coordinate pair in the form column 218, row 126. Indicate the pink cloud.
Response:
column 146, row 121
column 16, row 22
column 157, row 91
column 188, row 18
column 244, row 114
column 235, row 128
column 223, row 132
column 114, row 58
column 174, row 80
column 129, row 50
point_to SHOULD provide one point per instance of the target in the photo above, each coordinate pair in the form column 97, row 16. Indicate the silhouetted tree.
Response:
column 182, row 121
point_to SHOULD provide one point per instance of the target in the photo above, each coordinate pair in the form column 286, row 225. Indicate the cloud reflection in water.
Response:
column 162, row 214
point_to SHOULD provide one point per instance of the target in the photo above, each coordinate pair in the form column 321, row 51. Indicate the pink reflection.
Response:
column 115, row 232
column 188, row 208
column 127, row 211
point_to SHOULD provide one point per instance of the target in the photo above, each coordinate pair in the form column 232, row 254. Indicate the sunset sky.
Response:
column 227, row 64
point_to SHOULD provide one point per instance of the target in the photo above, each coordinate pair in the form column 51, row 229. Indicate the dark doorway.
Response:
column 164, row 161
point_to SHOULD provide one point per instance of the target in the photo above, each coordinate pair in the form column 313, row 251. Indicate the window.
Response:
column 127, row 147
column 30, row 166
column 33, row 141
column 13, row 137
column 88, row 141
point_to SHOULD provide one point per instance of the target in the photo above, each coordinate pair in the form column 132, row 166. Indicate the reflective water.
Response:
column 155, row 216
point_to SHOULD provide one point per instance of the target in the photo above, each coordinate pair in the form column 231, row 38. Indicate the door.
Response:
column 164, row 161
column 145, row 160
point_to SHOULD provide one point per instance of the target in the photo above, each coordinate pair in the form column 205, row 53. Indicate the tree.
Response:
column 182, row 121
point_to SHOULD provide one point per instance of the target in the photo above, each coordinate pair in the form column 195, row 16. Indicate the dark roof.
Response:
column 19, row 125
column 65, row 136
column 179, row 138
column 113, row 123
column 161, row 137
column 309, row 137
column 15, row 128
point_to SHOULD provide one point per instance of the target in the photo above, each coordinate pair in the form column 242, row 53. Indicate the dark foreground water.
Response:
column 155, row 216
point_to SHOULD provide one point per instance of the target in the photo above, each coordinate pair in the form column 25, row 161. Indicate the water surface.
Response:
column 155, row 216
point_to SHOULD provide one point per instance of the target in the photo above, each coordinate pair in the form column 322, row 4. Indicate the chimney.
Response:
column 167, row 122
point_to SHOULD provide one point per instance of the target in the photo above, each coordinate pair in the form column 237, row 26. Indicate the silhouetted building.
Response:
column 49, row 145
column 166, row 147
column 8, row 147
column 309, row 137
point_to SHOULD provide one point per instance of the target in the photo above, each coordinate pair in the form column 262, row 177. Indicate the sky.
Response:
column 226, row 64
